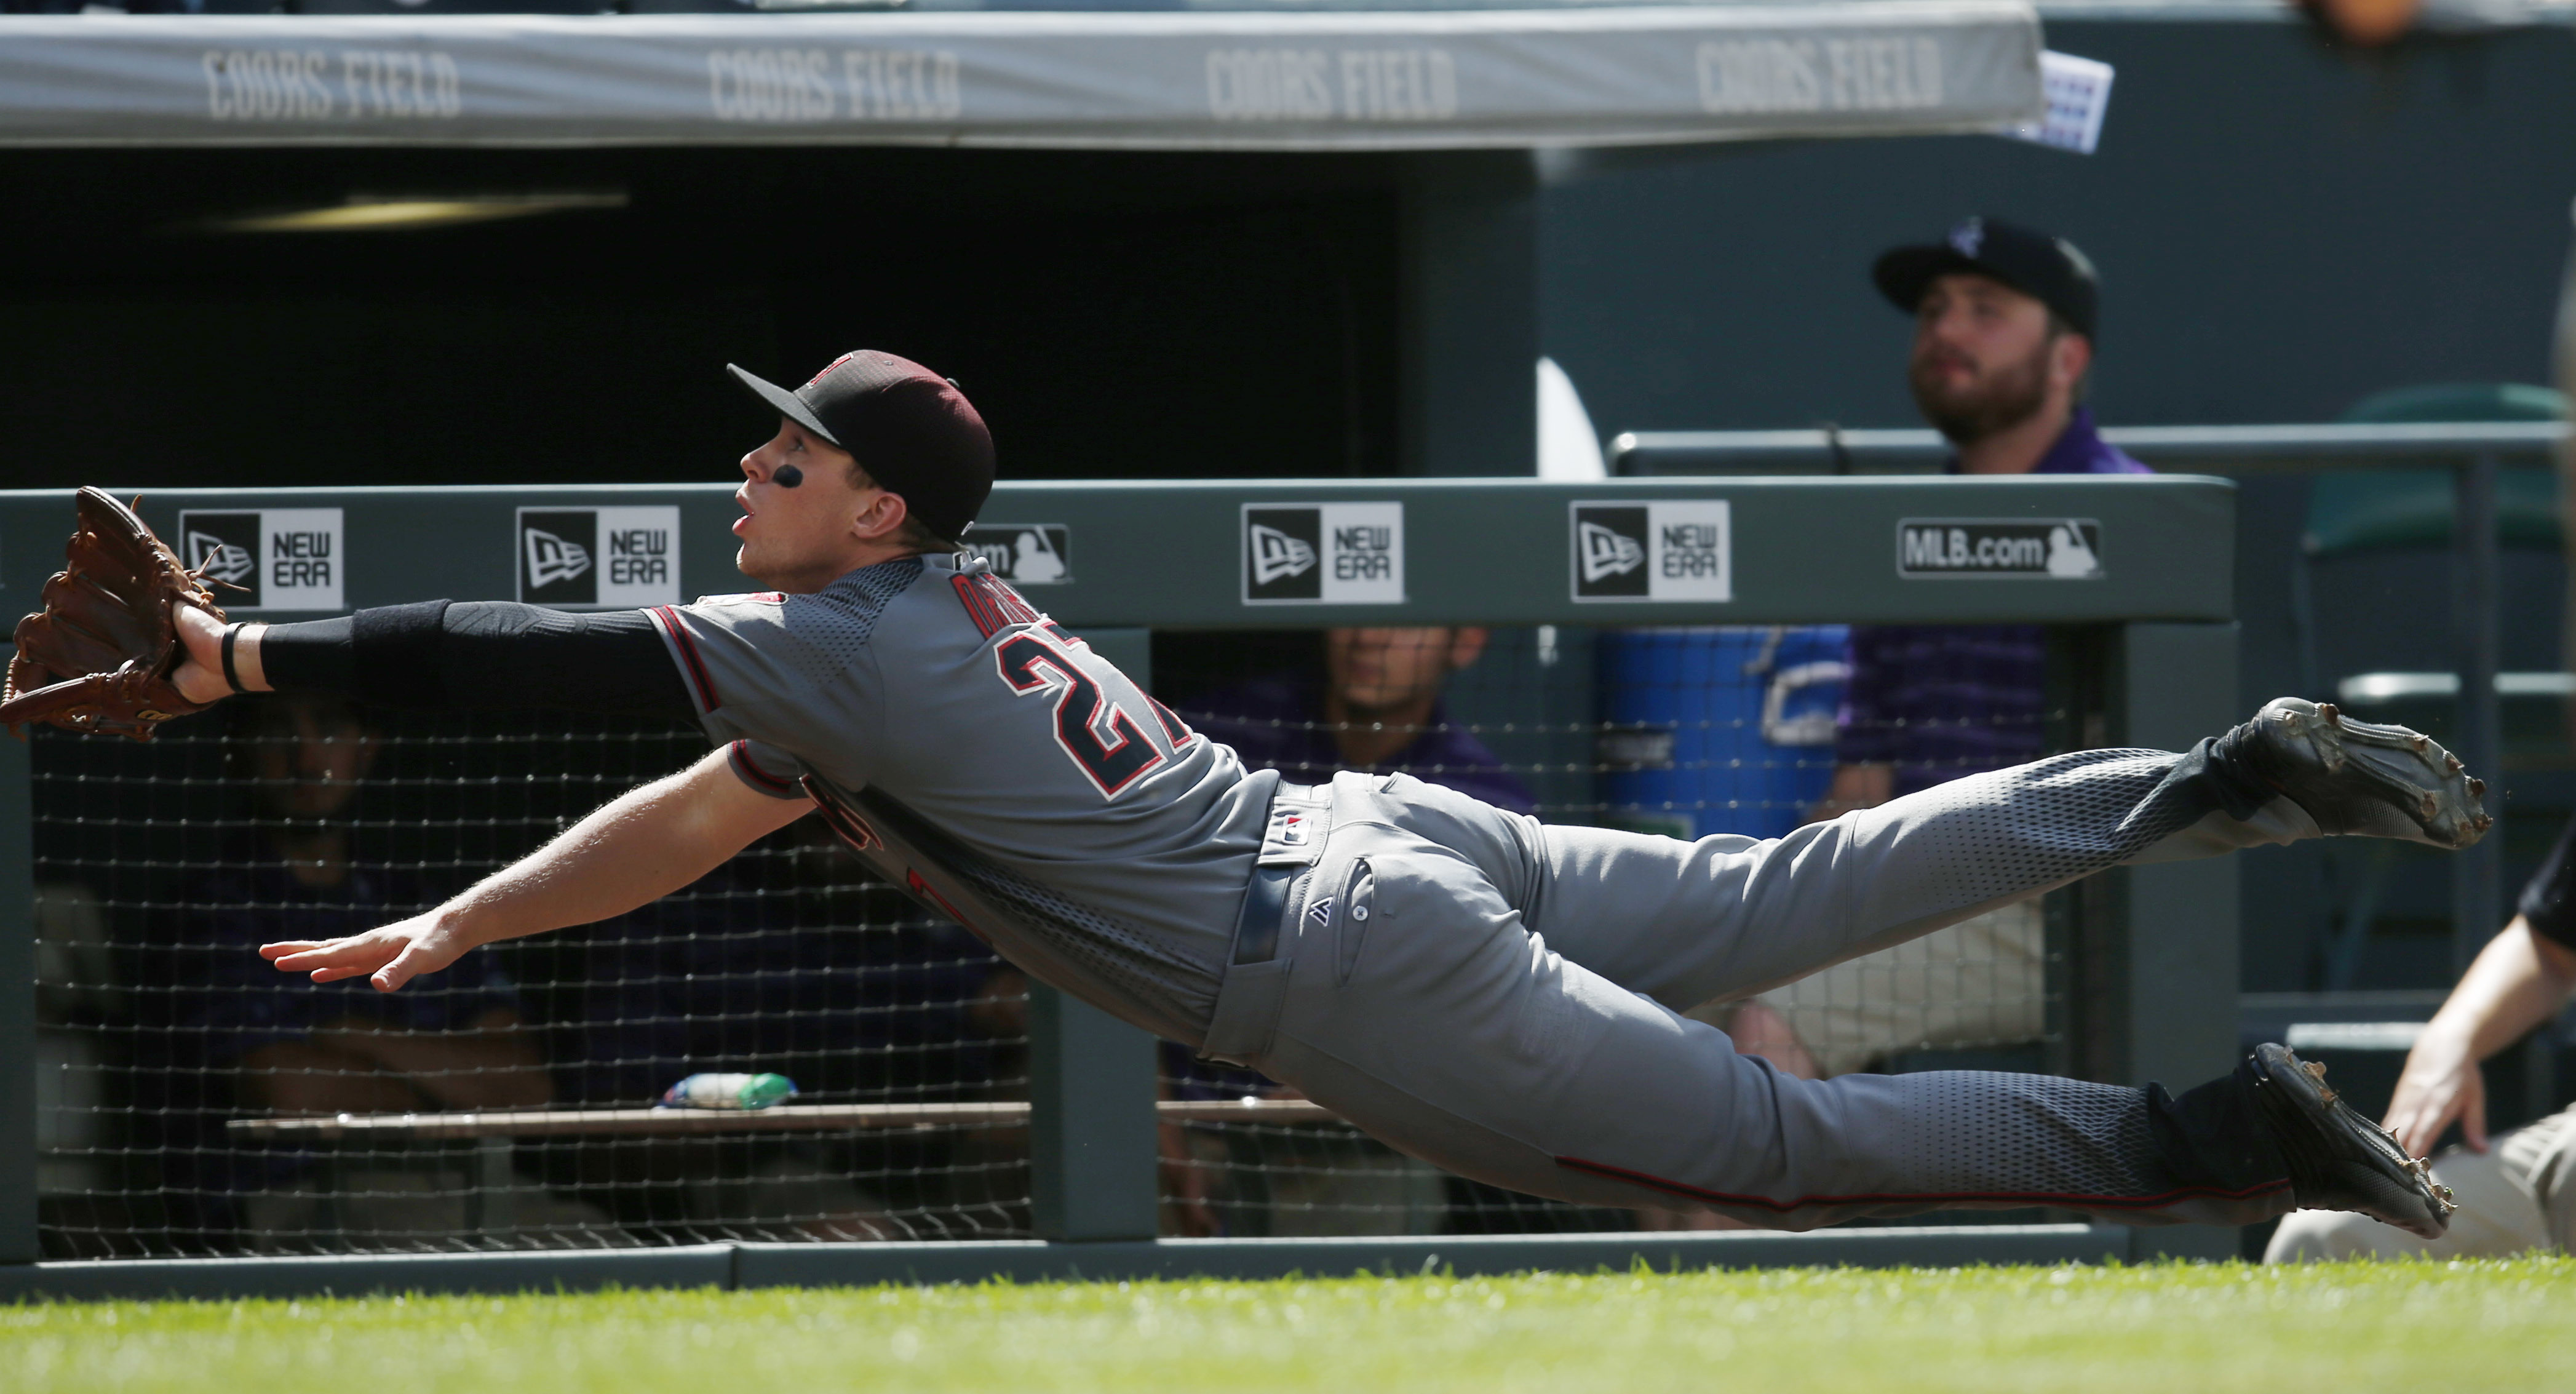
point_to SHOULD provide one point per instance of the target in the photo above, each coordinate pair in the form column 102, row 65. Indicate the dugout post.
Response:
column 1092, row 1163
column 19, row 1241
column 2165, row 940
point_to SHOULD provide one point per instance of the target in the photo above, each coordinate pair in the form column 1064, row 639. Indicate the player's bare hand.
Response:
column 200, row 676
column 387, row 957
column 2439, row 1085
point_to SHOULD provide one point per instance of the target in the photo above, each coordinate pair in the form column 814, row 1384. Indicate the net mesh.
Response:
column 161, row 867
column 169, row 1050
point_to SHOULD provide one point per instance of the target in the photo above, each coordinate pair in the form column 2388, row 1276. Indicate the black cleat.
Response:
column 2339, row 1160
column 2357, row 778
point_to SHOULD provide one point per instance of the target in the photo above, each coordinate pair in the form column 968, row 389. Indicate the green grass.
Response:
column 2489, row 1326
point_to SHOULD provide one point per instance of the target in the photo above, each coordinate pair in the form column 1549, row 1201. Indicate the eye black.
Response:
column 787, row 476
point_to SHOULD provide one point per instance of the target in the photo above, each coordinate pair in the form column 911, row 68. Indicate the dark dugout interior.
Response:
column 1112, row 315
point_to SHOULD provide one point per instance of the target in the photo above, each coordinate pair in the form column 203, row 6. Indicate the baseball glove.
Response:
column 99, row 654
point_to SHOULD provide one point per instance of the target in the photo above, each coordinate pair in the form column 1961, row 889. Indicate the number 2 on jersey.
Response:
column 1103, row 739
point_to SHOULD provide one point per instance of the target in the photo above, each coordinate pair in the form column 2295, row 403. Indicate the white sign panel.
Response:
column 269, row 559
column 1653, row 550
column 2079, row 96
column 1323, row 554
column 616, row 558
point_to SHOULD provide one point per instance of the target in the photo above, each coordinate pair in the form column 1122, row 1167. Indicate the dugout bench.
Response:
column 2134, row 577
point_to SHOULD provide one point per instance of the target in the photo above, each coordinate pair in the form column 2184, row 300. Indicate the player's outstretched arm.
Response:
column 2518, row 981
column 645, row 844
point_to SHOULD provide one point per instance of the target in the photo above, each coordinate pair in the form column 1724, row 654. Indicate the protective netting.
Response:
column 161, row 867
column 174, row 1063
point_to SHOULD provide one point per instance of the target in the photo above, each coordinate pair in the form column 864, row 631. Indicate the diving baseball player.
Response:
column 1480, row 990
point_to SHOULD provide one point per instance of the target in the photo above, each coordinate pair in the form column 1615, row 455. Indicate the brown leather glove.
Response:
column 99, row 654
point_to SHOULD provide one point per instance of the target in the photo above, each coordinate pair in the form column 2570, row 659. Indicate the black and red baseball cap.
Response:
column 911, row 429
column 2047, row 268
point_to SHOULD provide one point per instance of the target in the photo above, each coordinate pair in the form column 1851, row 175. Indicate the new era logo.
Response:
column 273, row 559
column 552, row 559
column 229, row 562
column 1660, row 550
column 1323, row 553
column 1607, row 553
column 1277, row 556
column 599, row 556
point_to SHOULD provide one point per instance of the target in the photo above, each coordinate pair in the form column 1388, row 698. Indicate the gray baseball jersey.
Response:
column 930, row 686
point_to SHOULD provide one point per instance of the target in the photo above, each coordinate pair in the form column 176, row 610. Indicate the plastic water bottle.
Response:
column 729, row 1091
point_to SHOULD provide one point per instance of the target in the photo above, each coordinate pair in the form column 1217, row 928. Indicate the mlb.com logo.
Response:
column 1663, row 550
column 1323, row 554
column 1025, row 554
column 2055, row 549
column 272, row 559
column 616, row 557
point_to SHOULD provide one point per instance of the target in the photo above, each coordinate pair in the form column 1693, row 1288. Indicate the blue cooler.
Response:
column 1718, row 730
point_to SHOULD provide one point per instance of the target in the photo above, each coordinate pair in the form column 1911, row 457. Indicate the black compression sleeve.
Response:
column 310, row 657
column 2549, row 901
column 481, row 656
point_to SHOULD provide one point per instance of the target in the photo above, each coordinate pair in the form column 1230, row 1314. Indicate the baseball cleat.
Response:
column 2338, row 1159
column 2354, row 777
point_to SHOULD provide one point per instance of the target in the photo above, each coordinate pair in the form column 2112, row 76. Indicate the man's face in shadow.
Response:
column 1378, row 670
column 1983, row 355
column 308, row 755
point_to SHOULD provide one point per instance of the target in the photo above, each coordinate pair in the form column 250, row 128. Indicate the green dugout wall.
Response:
column 2134, row 574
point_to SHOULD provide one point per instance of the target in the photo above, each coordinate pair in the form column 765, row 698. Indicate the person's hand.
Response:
column 387, row 957
column 200, row 676
column 2440, row 1084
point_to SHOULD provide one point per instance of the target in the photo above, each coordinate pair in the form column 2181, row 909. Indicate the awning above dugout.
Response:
column 1297, row 81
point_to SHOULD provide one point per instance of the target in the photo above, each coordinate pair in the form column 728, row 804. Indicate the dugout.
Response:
column 1056, row 1164
column 1154, row 244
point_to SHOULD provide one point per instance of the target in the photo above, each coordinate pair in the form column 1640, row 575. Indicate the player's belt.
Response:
column 1293, row 838
column 1256, row 982
column 1265, row 906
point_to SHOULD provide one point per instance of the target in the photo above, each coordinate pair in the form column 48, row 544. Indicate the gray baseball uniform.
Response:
column 1478, row 989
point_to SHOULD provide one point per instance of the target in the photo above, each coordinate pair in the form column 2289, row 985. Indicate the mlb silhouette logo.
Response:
column 1025, row 554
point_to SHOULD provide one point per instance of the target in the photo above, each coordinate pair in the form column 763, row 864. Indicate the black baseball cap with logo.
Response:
column 911, row 429
column 2048, row 269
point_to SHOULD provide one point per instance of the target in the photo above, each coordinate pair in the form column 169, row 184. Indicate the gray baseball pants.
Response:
column 1501, row 998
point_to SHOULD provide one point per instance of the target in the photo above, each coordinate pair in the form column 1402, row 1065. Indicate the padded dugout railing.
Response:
column 2146, row 655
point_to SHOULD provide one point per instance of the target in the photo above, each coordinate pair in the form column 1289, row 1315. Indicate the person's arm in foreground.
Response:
column 645, row 844
column 2519, row 981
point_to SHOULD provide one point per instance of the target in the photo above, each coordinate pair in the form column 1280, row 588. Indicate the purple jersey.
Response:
column 1277, row 723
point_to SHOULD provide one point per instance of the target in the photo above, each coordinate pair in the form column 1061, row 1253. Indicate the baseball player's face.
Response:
column 1983, row 357
column 1387, row 669
column 801, row 535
